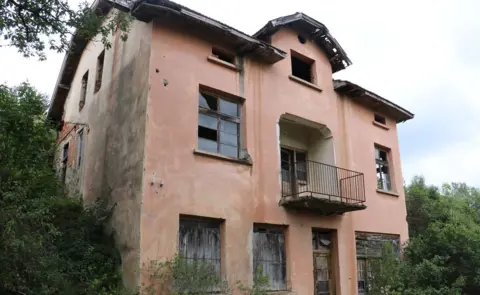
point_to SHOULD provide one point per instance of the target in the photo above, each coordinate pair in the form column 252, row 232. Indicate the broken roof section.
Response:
column 243, row 44
column 372, row 100
column 309, row 28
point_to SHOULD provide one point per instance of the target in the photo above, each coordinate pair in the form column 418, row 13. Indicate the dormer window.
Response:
column 302, row 67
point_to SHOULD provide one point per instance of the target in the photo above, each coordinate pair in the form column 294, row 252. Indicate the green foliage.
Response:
column 442, row 255
column 178, row 276
column 50, row 243
column 34, row 26
column 261, row 284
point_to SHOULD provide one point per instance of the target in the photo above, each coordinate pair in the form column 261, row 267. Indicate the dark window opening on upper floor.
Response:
column 302, row 68
column 223, row 55
column 83, row 91
column 380, row 119
column 98, row 78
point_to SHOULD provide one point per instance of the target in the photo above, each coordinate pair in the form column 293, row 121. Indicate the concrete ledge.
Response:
column 306, row 83
column 222, row 157
column 223, row 63
column 390, row 193
column 383, row 126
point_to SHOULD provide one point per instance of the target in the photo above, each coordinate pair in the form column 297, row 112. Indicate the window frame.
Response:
column 308, row 61
column 80, row 146
column 293, row 152
column 383, row 184
column 83, row 91
column 201, row 223
column 259, row 228
column 99, row 71
column 219, row 116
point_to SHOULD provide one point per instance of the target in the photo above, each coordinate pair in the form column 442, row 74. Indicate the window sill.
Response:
column 222, row 157
column 383, row 126
column 390, row 193
column 306, row 83
column 223, row 63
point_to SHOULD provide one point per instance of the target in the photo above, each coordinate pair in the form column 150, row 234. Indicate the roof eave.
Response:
column 359, row 94
column 318, row 32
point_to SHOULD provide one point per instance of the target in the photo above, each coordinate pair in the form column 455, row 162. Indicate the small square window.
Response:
column 223, row 55
column 380, row 119
column 302, row 67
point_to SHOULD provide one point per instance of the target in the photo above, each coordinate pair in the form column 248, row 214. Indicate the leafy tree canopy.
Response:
column 36, row 26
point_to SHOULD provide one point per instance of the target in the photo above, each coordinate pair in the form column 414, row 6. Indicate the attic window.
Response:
column 98, row 78
column 302, row 67
column 224, row 56
column 380, row 119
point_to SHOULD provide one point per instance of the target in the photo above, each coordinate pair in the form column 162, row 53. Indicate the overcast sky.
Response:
column 421, row 54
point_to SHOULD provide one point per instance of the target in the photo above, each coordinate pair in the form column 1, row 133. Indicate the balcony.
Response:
column 323, row 189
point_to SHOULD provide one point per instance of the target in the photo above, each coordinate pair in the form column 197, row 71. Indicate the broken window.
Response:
column 383, row 172
column 269, row 255
column 223, row 55
column 79, row 147
column 199, row 242
column 380, row 119
column 302, row 67
column 83, row 91
column 370, row 247
column 218, row 125
column 64, row 162
column 98, row 78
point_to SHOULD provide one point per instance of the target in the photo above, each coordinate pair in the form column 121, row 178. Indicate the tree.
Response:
column 35, row 26
column 442, row 255
column 50, row 243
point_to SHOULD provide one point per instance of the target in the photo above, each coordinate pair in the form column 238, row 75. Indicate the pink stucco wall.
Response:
column 241, row 194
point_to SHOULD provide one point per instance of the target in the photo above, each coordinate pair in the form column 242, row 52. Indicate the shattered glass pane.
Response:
column 207, row 101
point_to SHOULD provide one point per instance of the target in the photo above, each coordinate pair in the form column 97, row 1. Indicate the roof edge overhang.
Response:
column 372, row 101
column 243, row 44
column 69, row 66
column 313, row 29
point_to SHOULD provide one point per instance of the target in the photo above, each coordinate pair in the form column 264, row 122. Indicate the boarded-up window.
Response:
column 200, row 241
column 369, row 247
column 98, row 78
column 269, row 255
column 83, row 91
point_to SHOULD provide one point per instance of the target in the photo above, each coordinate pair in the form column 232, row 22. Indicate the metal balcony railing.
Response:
column 321, row 181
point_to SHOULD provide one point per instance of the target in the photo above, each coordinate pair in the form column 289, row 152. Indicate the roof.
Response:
column 255, row 46
column 372, row 100
column 310, row 28
column 69, row 67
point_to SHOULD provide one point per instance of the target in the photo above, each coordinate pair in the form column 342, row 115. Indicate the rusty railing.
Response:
column 313, row 179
